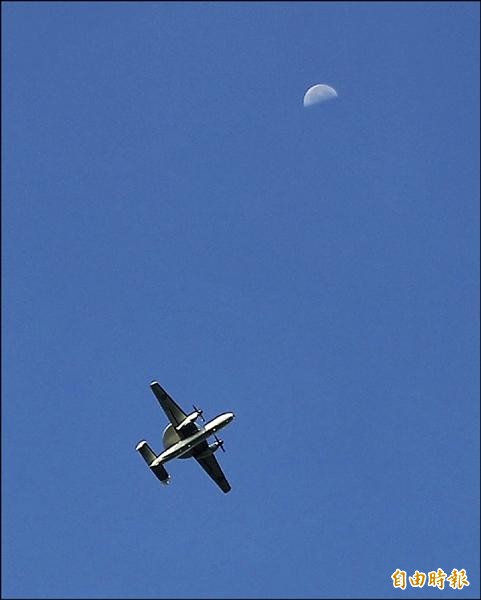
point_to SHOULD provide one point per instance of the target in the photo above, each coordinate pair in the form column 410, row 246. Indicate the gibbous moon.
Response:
column 319, row 93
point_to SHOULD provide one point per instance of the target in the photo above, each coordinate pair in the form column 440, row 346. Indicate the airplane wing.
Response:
column 212, row 468
column 173, row 411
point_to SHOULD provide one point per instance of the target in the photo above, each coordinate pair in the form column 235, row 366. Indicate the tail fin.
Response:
column 149, row 456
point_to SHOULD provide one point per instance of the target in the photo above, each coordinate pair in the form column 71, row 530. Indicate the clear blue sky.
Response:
column 171, row 211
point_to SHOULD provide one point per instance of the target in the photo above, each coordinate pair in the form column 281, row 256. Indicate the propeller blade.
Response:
column 200, row 411
column 220, row 442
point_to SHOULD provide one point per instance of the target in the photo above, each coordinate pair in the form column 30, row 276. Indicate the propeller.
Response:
column 200, row 411
column 219, row 442
column 201, row 416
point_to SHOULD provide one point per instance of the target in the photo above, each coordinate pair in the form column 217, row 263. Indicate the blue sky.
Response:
column 171, row 211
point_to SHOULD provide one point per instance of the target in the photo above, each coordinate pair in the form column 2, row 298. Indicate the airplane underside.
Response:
column 184, row 438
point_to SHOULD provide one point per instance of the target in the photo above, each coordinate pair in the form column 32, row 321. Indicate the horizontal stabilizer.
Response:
column 161, row 474
column 146, row 451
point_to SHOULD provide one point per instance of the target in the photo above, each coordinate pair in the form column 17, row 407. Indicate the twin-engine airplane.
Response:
column 184, row 438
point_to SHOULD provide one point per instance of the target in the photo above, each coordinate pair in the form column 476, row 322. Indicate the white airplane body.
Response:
column 184, row 438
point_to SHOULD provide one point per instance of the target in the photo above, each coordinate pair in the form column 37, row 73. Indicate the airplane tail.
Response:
column 149, row 456
column 146, row 451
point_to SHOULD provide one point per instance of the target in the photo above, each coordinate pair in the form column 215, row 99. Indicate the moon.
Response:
column 319, row 93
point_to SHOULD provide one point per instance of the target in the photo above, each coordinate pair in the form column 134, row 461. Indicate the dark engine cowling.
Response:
column 210, row 450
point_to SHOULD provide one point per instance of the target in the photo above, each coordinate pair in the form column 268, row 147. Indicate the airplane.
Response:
column 184, row 438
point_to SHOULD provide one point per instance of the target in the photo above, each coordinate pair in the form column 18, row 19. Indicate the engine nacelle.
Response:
column 210, row 450
column 190, row 419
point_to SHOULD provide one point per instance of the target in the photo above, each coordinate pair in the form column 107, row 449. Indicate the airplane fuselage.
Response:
column 184, row 446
